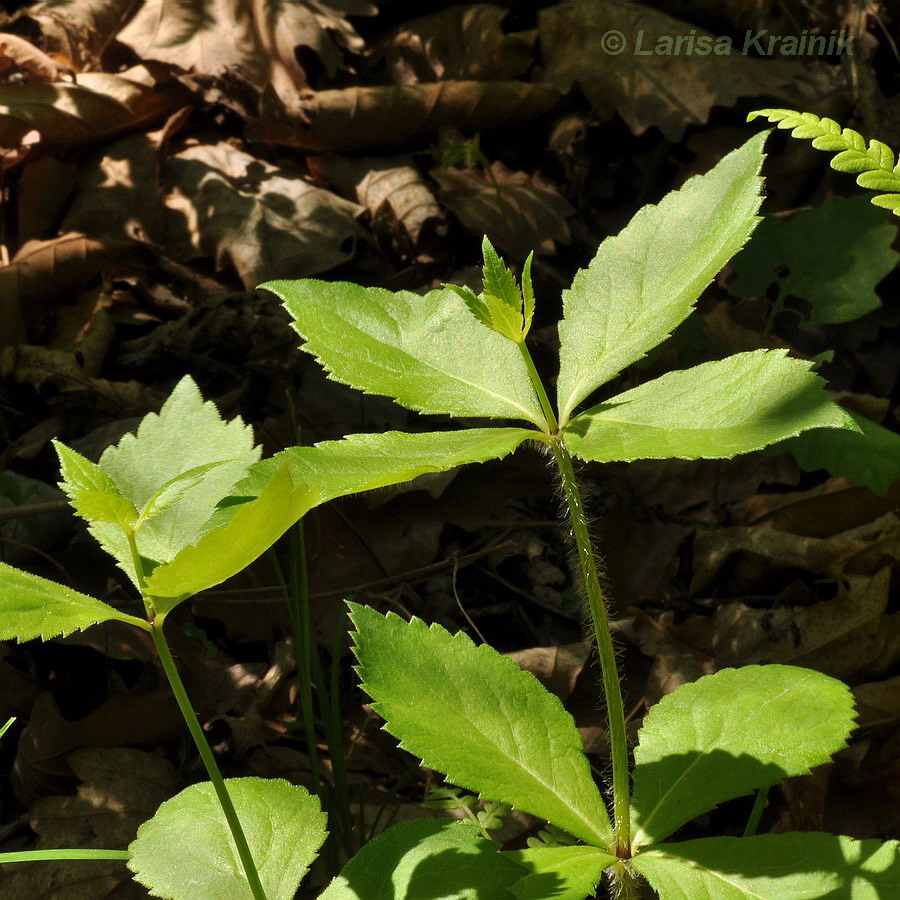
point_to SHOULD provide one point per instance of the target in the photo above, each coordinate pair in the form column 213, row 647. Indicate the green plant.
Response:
column 468, row 712
column 873, row 166
column 153, row 504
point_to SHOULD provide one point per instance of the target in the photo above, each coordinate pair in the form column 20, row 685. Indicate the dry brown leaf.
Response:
column 267, row 222
column 459, row 43
column 42, row 192
column 44, row 271
column 557, row 668
column 515, row 210
column 256, row 40
column 90, row 112
column 81, row 31
column 389, row 188
column 850, row 635
column 120, row 788
column 368, row 117
column 669, row 91
column 16, row 51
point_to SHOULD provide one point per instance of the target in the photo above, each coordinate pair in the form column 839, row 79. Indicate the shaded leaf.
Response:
column 644, row 282
column 427, row 352
column 410, row 860
column 475, row 715
column 365, row 117
column 729, row 734
column 263, row 220
column 713, row 411
column 773, row 867
column 518, row 212
column 457, row 44
column 832, row 257
column 283, row 824
column 34, row 607
column 563, row 873
column 870, row 456
column 671, row 89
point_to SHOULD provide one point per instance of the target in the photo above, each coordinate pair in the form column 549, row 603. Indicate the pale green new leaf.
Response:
column 34, row 607
column 167, row 495
column 429, row 858
column 729, row 734
column 227, row 550
column 186, row 852
column 80, row 474
column 563, row 873
column 712, row 411
column 773, row 867
column 644, row 282
column 427, row 352
column 475, row 715
column 96, row 506
column 365, row 462
column 188, row 433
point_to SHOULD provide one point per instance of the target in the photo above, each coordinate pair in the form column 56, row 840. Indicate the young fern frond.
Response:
column 873, row 166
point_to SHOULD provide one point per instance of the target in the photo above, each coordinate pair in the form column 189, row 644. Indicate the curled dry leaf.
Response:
column 390, row 188
column 98, row 107
column 43, row 271
column 366, row 117
column 16, row 52
column 459, row 43
column 267, row 222
column 670, row 91
column 515, row 210
column 255, row 40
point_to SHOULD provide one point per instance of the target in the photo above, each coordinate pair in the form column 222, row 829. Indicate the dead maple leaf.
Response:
column 267, row 222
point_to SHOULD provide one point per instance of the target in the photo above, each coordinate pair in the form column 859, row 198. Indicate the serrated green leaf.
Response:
column 186, row 852
column 712, row 411
column 729, row 734
column 188, row 432
column 80, row 474
column 563, row 873
column 870, row 456
column 227, row 550
column 644, row 282
column 427, row 352
column 429, row 858
column 501, row 295
column 773, row 867
column 475, row 715
column 34, row 607
column 170, row 493
column 365, row 462
column 527, row 295
column 96, row 506
column 833, row 257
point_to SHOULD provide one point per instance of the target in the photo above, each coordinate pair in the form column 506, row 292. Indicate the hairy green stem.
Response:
column 209, row 761
column 546, row 408
column 615, row 710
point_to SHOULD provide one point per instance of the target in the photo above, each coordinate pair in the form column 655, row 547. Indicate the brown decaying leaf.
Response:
column 43, row 271
column 387, row 185
column 369, row 117
column 267, row 222
column 81, row 31
column 515, row 210
column 458, row 43
column 90, row 112
column 254, row 40
column 16, row 51
column 557, row 668
column 669, row 91
column 120, row 788
column 42, row 192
